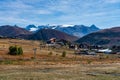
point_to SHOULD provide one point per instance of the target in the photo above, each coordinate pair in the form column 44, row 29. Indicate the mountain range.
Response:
column 108, row 37
column 46, row 34
column 75, row 30
column 42, row 34
column 103, row 37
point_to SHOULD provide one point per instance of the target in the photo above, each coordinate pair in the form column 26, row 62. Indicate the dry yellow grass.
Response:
column 54, row 67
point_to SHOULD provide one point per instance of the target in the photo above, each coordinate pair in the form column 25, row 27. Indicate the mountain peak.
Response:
column 93, row 26
column 31, row 27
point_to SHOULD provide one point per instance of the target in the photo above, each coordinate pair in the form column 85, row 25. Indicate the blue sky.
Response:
column 102, row 13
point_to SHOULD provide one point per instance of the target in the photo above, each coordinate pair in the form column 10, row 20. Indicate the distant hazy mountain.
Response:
column 75, row 30
column 12, row 31
column 103, row 37
column 78, row 30
column 46, row 34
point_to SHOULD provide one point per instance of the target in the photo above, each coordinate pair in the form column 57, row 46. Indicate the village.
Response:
column 84, row 48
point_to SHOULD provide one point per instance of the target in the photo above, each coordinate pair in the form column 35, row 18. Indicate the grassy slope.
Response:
column 54, row 67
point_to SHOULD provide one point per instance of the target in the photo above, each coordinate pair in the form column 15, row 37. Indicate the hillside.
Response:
column 46, row 34
column 12, row 31
column 103, row 37
column 54, row 66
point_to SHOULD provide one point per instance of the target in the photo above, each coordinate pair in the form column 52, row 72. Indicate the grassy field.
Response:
column 48, row 66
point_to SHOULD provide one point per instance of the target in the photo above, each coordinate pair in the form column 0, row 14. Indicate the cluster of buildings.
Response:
column 83, row 48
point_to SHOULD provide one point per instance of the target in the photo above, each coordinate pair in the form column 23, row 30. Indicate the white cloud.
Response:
column 42, row 12
column 96, row 14
column 111, row 1
column 18, row 4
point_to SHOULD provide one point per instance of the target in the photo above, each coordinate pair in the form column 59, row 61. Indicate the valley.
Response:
column 59, row 39
column 53, row 66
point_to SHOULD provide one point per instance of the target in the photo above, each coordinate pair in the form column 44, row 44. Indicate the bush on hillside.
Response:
column 63, row 54
column 15, row 50
column 50, row 53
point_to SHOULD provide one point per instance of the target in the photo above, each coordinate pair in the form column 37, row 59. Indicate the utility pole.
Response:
column 34, row 49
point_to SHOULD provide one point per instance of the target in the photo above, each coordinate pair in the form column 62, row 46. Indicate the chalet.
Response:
column 83, row 45
column 50, row 42
column 116, row 48
column 54, row 43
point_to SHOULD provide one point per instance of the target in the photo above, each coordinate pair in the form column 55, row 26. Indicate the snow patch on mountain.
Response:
column 67, row 25
column 33, row 29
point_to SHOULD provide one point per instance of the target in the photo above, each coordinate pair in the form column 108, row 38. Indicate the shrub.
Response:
column 15, row 50
column 20, row 51
column 50, row 53
column 32, row 58
column 89, row 61
column 63, row 54
column 8, row 62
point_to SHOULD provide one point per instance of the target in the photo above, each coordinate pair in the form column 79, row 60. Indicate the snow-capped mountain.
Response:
column 75, row 30
column 31, row 28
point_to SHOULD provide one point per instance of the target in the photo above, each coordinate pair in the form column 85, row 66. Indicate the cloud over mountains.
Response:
column 24, row 12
